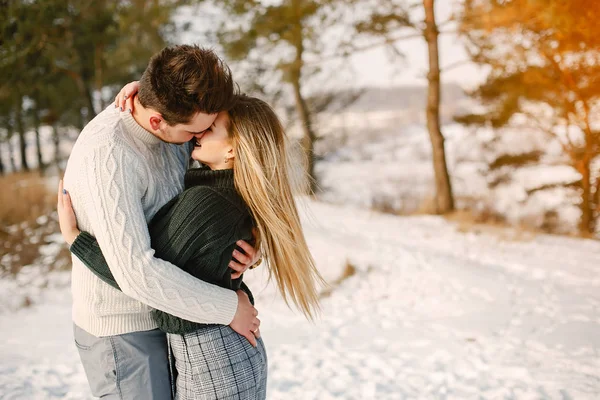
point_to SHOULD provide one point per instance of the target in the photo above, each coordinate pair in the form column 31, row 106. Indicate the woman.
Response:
column 243, row 184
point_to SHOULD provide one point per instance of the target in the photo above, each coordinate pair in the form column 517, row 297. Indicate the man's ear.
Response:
column 155, row 121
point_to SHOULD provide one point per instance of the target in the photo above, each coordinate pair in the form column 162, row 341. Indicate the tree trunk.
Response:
column 11, row 150
column 309, row 138
column 1, row 162
column 38, row 144
column 444, row 201
column 85, row 90
column 80, row 120
column 309, row 135
column 90, row 102
column 21, row 132
column 98, row 72
column 586, row 224
column 56, row 140
column 596, row 202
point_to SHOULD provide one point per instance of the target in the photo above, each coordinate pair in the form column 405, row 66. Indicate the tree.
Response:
column 391, row 19
column 7, row 126
column 7, row 133
column 544, row 60
column 286, row 33
column 58, row 57
column 21, row 132
column 102, row 43
column 444, row 198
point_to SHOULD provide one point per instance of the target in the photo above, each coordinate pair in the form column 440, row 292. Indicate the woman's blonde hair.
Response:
column 261, row 177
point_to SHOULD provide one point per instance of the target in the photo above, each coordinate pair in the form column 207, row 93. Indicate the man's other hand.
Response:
column 245, row 321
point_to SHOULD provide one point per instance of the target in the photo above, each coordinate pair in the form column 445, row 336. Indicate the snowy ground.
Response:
column 431, row 313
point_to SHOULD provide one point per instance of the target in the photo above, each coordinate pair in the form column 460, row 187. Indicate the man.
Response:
column 122, row 169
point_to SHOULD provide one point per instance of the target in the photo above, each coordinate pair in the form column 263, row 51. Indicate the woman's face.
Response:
column 213, row 146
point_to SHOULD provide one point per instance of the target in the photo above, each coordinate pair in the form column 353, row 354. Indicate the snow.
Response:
column 431, row 312
column 33, row 281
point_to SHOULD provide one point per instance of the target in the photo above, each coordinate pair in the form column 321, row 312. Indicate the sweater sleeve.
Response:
column 86, row 248
column 113, row 199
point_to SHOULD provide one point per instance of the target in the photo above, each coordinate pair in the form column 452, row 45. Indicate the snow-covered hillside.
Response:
column 429, row 313
column 381, row 160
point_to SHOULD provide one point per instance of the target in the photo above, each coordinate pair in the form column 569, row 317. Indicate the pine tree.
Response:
column 544, row 60
column 57, row 57
column 284, row 33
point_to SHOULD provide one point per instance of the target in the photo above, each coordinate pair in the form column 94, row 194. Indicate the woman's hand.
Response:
column 66, row 215
column 124, row 99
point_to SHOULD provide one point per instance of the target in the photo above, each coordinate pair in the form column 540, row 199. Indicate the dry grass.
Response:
column 385, row 205
column 469, row 217
column 349, row 270
column 402, row 205
column 426, row 207
column 25, row 196
column 491, row 224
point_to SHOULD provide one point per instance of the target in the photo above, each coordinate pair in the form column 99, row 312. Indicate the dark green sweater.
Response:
column 197, row 231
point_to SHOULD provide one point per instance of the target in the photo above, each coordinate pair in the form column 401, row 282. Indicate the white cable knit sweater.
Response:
column 118, row 176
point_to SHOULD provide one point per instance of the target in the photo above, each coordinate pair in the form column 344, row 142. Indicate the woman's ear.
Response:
column 231, row 153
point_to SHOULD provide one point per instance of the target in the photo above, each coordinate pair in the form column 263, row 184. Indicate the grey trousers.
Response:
column 131, row 366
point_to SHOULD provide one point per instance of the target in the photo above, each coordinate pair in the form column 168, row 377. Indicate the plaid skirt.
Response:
column 215, row 362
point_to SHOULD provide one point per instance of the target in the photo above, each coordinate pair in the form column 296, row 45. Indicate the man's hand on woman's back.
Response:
column 245, row 321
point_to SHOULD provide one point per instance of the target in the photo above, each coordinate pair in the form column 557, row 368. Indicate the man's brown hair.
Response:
column 183, row 80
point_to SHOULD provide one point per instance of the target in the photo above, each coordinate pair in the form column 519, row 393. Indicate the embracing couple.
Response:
column 160, row 243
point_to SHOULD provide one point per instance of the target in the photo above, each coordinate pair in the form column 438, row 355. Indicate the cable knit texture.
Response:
column 118, row 176
column 197, row 231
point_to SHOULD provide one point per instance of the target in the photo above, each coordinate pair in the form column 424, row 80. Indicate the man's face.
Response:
column 182, row 133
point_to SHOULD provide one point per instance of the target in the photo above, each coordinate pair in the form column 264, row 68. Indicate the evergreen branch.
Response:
column 370, row 46
column 453, row 65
